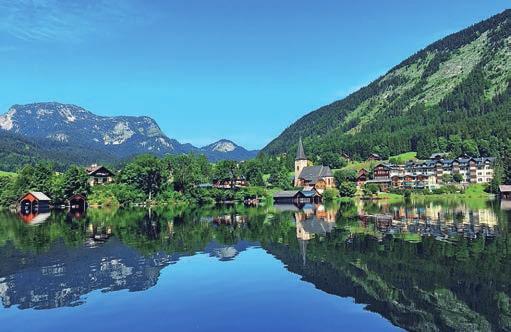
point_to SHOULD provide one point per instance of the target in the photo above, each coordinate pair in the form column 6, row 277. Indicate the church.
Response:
column 318, row 177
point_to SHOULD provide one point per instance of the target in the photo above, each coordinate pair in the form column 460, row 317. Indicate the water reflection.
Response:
column 425, row 266
column 442, row 221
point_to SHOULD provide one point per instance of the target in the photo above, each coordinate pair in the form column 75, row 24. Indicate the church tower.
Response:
column 300, row 162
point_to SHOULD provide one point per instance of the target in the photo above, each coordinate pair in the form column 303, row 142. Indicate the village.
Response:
column 311, row 182
column 314, row 183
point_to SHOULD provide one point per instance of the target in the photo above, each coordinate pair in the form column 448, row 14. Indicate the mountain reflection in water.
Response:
column 430, row 266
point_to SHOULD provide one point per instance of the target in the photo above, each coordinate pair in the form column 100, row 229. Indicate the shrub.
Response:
column 115, row 194
column 347, row 189
column 331, row 194
column 371, row 189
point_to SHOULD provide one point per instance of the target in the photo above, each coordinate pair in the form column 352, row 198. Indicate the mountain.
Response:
column 16, row 150
column 120, row 136
column 454, row 96
column 227, row 150
column 70, row 134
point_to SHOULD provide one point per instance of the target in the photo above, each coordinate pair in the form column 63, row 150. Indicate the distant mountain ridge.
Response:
column 455, row 91
column 226, row 149
column 70, row 127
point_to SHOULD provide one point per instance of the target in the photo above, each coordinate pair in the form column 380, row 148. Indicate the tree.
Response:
column 371, row 189
column 34, row 178
column 280, row 179
column 447, row 178
column 330, row 194
column 347, row 189
column 332, row 159
column 455, row 145
column 185, row 172
column 345, row 175
column 469, row 147
column 226, row 169
column 252, row 170
column 145, row 172
column 76, row 181
column 457, row 177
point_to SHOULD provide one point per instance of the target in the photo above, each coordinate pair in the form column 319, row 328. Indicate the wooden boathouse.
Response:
column 297, row 197
column 34, row 202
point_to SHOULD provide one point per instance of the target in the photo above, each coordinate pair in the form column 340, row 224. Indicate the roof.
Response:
column 310, row 193
column 448, row 162
column 505, row 188
column 40, row 196
column 94, row 168
column 314, row 173
column 437, row 155
column 300, row 154
column 317, row 226
column 286, row 194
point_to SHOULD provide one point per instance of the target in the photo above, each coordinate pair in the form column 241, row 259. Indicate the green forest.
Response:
column 453, row 96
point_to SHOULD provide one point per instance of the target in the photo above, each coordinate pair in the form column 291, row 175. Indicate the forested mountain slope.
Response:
column 454, row 95
column 16, row 150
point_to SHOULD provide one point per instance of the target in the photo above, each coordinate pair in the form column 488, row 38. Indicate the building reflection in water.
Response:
column 34, row 218
column 311, row 220
column 431, row 220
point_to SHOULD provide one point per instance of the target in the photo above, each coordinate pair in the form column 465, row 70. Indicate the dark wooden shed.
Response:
column 77, row 203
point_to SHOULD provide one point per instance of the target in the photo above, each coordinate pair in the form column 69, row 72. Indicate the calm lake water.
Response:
column 366, row 266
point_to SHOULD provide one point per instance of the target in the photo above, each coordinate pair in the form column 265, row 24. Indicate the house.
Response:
column 362, row 177
column 346, row 157
column 472, row 170
column 319, row 177
column 438, row 156
column 409, row 181
column 381, row 176
column 505, row 191
column 427, row 174
column 297, row 197
column 99, row 174
column 228, row 183
column 34, row 202
column 374, row 156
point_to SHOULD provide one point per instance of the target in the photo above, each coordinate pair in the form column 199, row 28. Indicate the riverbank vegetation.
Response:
column 149, row 180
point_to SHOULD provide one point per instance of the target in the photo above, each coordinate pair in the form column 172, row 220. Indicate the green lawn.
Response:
column 369, row 164
column 404, row 157
column 2, row 173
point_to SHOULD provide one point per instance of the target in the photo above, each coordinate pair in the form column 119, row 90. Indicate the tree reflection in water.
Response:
column 431, row 266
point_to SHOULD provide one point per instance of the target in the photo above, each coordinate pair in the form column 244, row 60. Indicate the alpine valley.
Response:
column 70, row 134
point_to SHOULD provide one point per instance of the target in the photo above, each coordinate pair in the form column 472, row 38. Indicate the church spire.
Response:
column 300, row 154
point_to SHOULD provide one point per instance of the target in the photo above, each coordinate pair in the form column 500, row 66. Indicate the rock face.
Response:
column 118, row 136
column 227, row 150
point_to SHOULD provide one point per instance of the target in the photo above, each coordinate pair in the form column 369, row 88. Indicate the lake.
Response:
column 434, row 265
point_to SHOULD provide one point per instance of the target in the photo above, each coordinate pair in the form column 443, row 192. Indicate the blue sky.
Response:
column 205, row 70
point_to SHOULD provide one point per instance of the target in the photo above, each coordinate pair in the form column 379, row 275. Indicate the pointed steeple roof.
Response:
column 300, row 154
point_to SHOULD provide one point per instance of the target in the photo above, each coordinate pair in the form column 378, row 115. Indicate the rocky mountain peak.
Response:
column 119, row 136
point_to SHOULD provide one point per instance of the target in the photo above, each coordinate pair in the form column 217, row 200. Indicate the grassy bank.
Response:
column 475, row 191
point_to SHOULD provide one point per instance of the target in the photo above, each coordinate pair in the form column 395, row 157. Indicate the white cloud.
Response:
column 68, row 20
